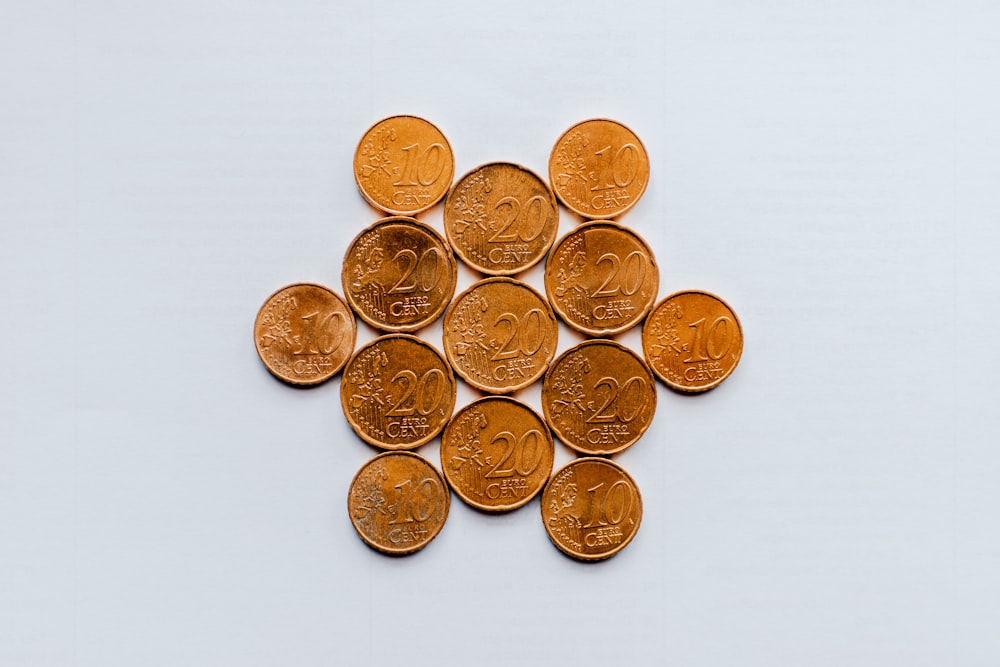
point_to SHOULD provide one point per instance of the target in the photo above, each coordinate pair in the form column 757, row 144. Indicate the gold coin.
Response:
column 501, row 218
column 403, row 165
column 500, row 335
column 591, row 508
column 399, row 274
column 692, row 340
column 601, row 278
column 496, row 453
column 599, row 169
column 599, row 397
column 398, row 392
column 304, row 333
column 398, row 502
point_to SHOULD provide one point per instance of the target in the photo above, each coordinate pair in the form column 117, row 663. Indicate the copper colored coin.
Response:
column 501, row 218
column 591, row 508
column 403, row 165
column 398, row 392
column 601, row 278
column 599, row 168
column 496, row 453
column 692, row 340
column 398, row 502
column 599, row 397
column 399, row 274
column 304, row 333
column 500, row 335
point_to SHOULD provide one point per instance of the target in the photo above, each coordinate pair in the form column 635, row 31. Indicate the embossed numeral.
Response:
column 620, row 404
column 624, row 277
column 330, row 333
column 517, row 454
column 533, row 219
column 609, row 508
column 421, row 395
column 521, row 340
column 426, row 269
column 617, row 170
column 421, row 168
column 710, row 346
column 416, row 502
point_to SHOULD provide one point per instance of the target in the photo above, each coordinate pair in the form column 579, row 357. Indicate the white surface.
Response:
column 831, row 169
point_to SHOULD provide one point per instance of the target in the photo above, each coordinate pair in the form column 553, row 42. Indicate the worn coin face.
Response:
column 399, row 274
column 397, row 392
column 591, row 508
column 599, row 397
column 403, row 165
column 496, row 453
column 692, row 340
column 599, row 168
column 500, row 335
column 601, row 278
column 501, row 218
column 398, row 502
column 304, row 333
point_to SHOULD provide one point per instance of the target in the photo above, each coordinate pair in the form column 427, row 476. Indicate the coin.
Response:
column 398, row 502
column 398, row 392
column 304, row 333
column 500, row 335
column 601, row 278
column 403, row 165
column 599, row 168
column 399, row 274
column 501, row 218
column 591, row 508
column 496, row 453
column 599, row 397
column 692, row 340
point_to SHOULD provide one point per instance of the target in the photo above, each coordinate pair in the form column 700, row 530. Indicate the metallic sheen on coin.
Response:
column 304, row 333
column 398, row 392
column 501, row 218
column 403, row 165
column 496, row 453
column 500, row 335
column 591, row 508
column 398, row 502
column 692, row 340
column 599, row 169
column 399, row 274
column 601, row 278
column 599, row 397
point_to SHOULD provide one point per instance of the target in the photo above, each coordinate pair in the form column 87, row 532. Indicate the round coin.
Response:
column 599, row 169
column 398, row 392
column 601, row 278
column 399, row 274
column 591, row 508
column 398, row 502
column 599, row 397
column 500, row 335
column 692, row 340
column 403, row 165
column 304, row 333
column 496, row 453
column 501, row 218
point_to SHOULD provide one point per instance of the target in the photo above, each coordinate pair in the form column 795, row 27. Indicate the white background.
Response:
column 830, row 169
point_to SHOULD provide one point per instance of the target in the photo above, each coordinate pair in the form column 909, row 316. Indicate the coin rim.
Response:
column 618, row 548
column 460, row 252
column 370, row 199
column 354, row 334
column 408, row 550
column 434, row 432
column 714, row 383
column 545, row 403
column 455, row 366
column 600, row 333
column 635, row 200
column 497, row 508
column 436, row 313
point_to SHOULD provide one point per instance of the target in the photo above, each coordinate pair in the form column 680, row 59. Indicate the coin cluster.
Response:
column 398, row 392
